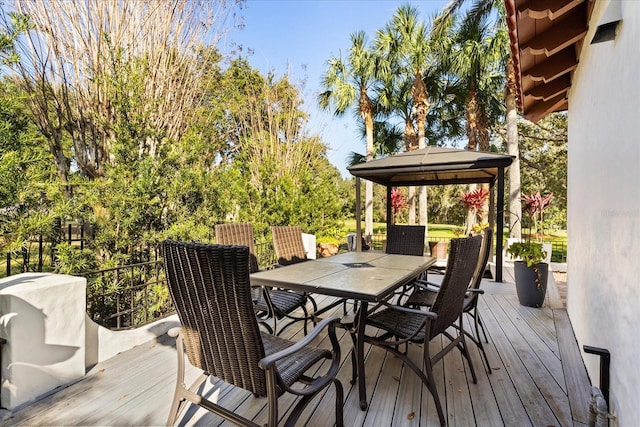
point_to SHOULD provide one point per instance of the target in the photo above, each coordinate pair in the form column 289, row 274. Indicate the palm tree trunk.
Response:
column 412, row 205
column 515, row 205
column 368, row 189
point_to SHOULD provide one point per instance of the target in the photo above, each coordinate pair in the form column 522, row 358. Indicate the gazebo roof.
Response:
column 433, row 166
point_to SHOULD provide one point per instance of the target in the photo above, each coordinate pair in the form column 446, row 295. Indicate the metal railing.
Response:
column 132, row 295
column 128, row 296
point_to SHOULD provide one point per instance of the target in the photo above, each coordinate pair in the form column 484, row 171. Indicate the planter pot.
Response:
column 438, row 249
column 531, row 283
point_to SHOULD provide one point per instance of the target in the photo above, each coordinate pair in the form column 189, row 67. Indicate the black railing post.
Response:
column 40, row 249
column 25, row 258
column 8, row 264
column 605, row 361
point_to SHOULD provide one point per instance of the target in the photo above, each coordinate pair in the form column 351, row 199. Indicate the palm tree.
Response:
column 405, row 42
column 347, row 85
column 480, row 10
column 394, row 100
column 476, row 60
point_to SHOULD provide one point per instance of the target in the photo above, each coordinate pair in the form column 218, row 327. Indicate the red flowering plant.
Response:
column 473, row 201
column 534, row 205
column 529, row 251
column 398, row 202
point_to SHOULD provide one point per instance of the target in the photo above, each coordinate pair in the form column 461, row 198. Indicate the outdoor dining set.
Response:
column 233, row 314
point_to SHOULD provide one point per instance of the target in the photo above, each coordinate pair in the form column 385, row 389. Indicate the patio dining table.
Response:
column 368, row 277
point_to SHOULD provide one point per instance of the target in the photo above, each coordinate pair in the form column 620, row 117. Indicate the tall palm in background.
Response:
column 395, row 100
column 347, row 85
column 476, row 60
column 405, row 42
column 481, row 9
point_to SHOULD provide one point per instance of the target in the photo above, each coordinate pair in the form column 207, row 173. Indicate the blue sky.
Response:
column 298, row 37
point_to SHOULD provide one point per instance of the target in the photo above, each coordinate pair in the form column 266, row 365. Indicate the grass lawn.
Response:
column 435, row 230
column 438, row 231
column 447, row 230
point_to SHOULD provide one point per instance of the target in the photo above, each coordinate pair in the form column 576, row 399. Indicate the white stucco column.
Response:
column 42, row 317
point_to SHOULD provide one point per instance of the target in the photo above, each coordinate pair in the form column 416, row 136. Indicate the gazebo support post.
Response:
column 499, row 224
column 389, row 211
column 492, row 211
column 358, row 217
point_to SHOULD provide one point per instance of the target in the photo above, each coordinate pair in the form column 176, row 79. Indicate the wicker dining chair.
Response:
column 287, row 242
column 404, row 325
column 425, row 295
column 274, row 304
column 405, row 240
column 210, row 288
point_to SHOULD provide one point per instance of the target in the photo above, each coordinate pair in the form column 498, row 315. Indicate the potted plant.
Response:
column 531, row 273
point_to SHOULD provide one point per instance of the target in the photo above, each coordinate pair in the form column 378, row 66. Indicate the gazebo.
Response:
column 439, row 166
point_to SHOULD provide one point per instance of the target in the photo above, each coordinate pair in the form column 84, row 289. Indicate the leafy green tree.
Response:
column 543, row 150
column 134, row 79
column 28, row 193
column 264, row 167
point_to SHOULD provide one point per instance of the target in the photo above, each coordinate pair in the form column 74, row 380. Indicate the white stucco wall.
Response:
column 42, row 318
column 102, row 343
column 604, row 206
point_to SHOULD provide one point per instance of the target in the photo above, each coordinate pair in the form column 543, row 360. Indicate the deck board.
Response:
column 574, row 370
column 538, row 379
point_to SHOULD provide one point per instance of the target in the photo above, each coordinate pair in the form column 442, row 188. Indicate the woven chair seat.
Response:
column 292, row 368
column 284, row 301
column 400, row 324
column 426, row 298
column 422, row 297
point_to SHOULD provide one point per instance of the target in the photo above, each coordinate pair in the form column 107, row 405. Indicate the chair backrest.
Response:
column 485, row 251
column 405, row 239
column 287, row 242
column 238, row 234
column 461, row 264
column 210, row 288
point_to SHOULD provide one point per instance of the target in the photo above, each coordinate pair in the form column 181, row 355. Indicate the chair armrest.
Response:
column 428, row 314
column 269, row 361
column 174, row 332
column 314, row 384
column 426, row 285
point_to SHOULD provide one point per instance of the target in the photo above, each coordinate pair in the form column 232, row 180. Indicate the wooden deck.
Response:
column 538, row 380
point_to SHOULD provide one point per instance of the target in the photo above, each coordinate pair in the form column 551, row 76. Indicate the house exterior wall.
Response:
column 603, row 299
